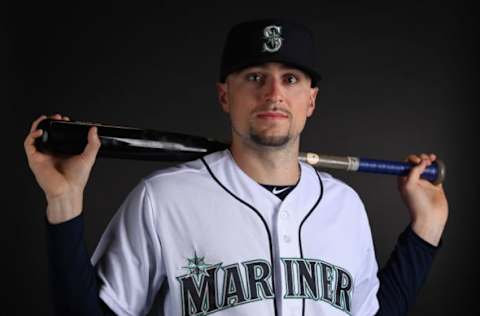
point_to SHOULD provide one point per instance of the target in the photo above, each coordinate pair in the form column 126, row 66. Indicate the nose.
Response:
column 274, row 90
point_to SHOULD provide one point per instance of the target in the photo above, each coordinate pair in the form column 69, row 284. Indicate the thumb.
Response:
column 93, row 145
column 417, row 171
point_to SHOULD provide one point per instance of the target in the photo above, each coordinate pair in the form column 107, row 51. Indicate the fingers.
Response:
column 36, row 122
column 418, row 170
column 59, row 117
column 93, row 144
column 416, row 159
column 421, row 161
column 30, row 141
column 42, row 117
column 35, row 133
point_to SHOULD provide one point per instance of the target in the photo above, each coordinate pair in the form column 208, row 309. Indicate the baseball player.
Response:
column 245, row 231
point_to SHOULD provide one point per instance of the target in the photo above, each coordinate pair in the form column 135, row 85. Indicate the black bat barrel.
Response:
column 71, row 137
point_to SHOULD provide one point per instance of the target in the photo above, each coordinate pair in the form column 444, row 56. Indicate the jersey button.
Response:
column 284, row 214
column 286, row 238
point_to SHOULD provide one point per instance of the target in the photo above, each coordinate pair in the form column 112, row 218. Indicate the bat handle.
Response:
column 435, row 173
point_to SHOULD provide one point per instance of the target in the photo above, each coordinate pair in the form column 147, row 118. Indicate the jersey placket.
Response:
column 286, row 236
column 287, row 221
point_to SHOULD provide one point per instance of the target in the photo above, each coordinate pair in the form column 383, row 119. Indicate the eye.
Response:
column 291, row 78
column 255, row 77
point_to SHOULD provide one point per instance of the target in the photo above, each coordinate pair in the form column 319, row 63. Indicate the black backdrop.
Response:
column 399, row 78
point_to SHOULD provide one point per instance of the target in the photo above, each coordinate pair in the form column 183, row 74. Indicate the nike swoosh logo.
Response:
column 275, row 191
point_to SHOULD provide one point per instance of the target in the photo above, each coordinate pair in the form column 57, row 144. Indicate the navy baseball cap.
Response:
column 269, row 40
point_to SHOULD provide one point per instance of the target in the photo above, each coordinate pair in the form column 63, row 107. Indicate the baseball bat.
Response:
column 70, row 138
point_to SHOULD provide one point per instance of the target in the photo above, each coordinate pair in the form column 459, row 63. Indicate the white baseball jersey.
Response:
column 224, row 245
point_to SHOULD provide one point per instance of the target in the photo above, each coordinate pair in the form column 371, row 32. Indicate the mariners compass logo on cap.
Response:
column 273, row 39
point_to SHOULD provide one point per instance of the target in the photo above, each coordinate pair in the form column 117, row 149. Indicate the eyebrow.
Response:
column 282, row 67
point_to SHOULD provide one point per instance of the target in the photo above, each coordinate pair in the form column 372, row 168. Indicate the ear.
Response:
column 313, row 97
column 222, row 90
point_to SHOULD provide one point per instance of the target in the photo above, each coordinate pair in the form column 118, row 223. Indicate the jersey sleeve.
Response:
column 128, row 257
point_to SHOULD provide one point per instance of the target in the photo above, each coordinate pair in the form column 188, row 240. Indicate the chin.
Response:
column 270, row 141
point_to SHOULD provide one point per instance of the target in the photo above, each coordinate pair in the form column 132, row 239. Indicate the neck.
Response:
column 267, row 165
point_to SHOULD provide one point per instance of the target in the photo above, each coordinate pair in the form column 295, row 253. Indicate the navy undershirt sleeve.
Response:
column 73, row 280
column 404, row 273
column 74, row 287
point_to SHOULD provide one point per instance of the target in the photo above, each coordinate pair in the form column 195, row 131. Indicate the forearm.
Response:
column 430, row 230
column 404, row 274
column 64, row 208
column 72, row 276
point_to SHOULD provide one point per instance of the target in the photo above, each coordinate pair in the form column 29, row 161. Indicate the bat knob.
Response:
column 441, row 172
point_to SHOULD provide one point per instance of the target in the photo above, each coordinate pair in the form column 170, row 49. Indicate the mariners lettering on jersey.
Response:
column 305, row 279
column 318, row 280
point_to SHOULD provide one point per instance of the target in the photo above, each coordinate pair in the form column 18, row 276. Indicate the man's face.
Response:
column 268, row 104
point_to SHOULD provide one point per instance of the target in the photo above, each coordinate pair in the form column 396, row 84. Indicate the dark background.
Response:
column 399, row 78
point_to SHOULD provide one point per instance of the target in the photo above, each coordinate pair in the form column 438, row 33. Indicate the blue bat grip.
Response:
column 431, row 173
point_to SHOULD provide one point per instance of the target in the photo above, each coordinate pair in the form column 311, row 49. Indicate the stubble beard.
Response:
column 258, row 138
column 262, row 141
column 269, row 141
column 265, row 142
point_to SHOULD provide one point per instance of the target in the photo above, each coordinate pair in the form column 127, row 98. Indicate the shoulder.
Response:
column 344, row 201
column 330, row 180
column 329, row 183
column 338, row 190
column 185, row 174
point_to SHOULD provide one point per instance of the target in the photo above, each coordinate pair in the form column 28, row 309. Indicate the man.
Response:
column 245, row 231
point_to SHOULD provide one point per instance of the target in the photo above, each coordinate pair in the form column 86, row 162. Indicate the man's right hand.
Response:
column 62, row 179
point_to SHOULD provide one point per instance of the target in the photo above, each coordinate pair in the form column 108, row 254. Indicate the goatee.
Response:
column 269, row 141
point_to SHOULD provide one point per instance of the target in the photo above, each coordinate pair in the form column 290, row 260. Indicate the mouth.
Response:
column 270, row 115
